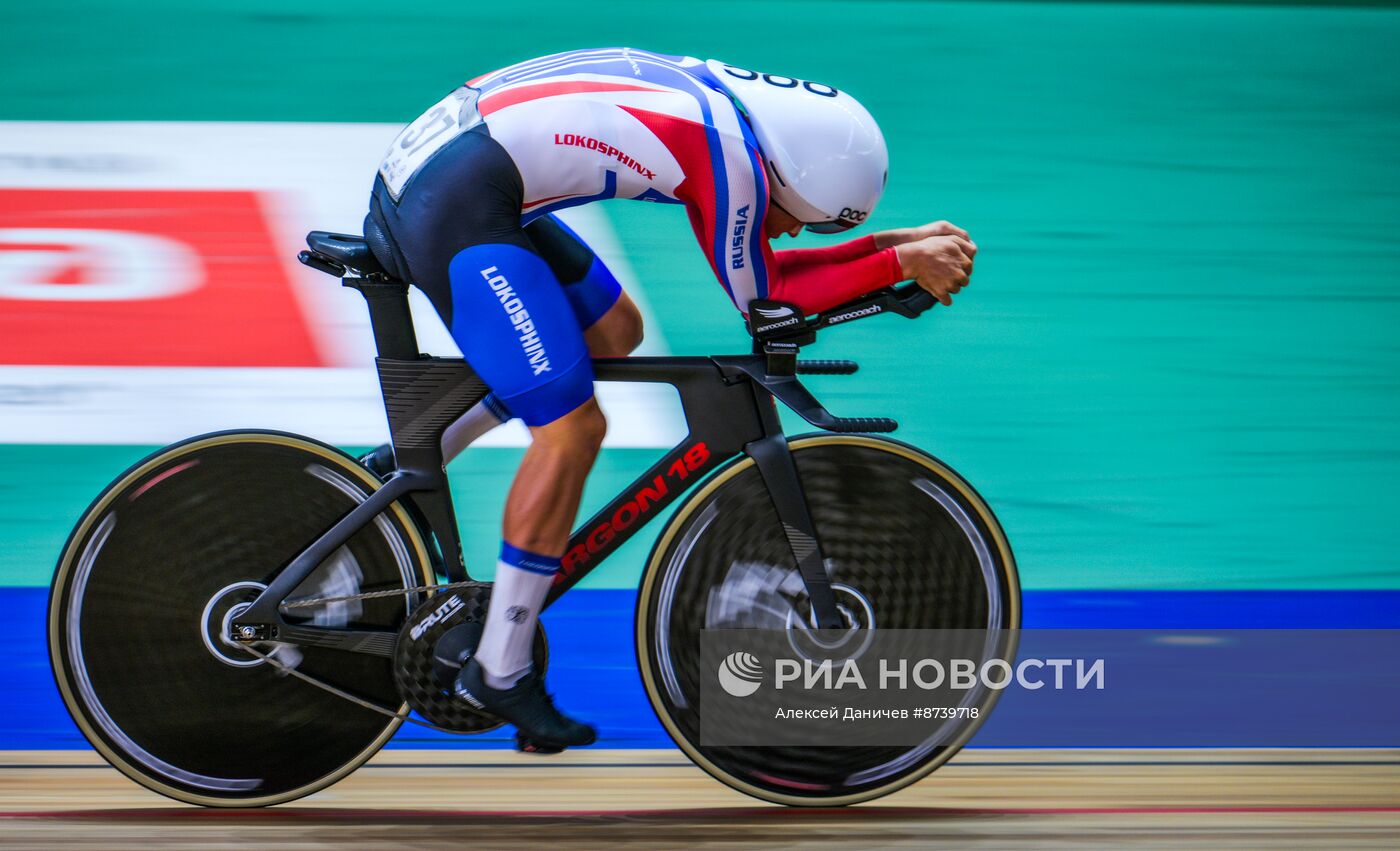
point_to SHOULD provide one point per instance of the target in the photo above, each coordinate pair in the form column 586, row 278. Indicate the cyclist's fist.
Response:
column 941, row 264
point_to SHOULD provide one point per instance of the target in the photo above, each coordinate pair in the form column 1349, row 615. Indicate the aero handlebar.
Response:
column 780, row 329
column 781, row 322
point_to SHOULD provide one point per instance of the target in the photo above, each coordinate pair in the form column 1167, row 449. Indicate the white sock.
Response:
column 522, row 581
column 479, row 419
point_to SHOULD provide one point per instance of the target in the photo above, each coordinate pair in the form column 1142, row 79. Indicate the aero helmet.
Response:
column 825, row 156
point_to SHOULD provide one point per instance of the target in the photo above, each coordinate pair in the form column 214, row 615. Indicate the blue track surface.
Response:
column 1262, row 689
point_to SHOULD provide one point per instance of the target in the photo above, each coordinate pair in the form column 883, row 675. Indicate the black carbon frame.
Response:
column 729, row 406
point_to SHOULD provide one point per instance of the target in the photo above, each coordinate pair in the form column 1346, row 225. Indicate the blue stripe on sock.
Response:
column 528, row 561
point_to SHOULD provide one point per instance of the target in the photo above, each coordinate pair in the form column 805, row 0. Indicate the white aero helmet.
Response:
column 825, row 155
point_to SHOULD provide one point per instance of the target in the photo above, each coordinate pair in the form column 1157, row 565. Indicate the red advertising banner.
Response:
column 145, row 278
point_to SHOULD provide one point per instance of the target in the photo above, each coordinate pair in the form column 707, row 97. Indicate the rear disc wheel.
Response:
column 161, row 564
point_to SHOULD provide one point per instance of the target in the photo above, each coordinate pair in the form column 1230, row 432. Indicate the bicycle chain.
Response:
column 306, row 602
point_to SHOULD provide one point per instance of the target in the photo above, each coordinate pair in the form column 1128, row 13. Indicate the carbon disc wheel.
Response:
column 160, row 565
column 908, row 545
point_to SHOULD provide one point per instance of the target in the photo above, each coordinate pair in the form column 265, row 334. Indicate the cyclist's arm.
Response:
column 939, row 255
column 816, row 279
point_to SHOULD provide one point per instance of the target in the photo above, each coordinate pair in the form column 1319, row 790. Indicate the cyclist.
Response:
column 462, row 207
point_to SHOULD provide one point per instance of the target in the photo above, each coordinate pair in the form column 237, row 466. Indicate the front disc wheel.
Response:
column 908, row 545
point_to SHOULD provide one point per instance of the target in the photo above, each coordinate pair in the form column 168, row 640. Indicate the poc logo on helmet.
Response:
column 852, row 215
column 740, row 674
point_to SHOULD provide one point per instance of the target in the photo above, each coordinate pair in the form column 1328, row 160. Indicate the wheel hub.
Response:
column 216, row 623
column 856, row 613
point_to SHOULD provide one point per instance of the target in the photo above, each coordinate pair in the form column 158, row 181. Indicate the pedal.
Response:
column 525, row 745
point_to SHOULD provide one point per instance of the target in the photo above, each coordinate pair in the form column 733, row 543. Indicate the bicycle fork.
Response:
column 775, row 464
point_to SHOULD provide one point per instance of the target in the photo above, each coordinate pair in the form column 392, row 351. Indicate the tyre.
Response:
column 908, row 545
column 157, row 568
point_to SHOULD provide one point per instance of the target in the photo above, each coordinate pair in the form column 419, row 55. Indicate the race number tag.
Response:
column 448, row 119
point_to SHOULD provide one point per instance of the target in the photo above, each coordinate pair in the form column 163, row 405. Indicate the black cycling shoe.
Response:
column 542, row 727
column 379, row 461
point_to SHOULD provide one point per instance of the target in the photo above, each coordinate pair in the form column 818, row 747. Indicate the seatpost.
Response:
column 389, row 316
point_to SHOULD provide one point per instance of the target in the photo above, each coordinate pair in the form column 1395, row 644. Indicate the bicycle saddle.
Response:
column 352, row 252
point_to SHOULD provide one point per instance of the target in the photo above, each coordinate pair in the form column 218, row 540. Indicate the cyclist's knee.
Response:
column 578, row 434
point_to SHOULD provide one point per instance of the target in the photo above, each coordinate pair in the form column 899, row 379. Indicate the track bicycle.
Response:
column 245, row 617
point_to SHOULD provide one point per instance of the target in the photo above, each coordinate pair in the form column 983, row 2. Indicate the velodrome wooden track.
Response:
column 646, row 799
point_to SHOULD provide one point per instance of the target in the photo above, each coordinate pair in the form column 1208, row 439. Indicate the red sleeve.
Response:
column 816, row 279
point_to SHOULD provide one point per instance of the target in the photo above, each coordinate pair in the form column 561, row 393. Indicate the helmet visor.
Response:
column 830, row 227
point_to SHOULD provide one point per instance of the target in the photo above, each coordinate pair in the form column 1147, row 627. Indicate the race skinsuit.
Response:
column 462, row 208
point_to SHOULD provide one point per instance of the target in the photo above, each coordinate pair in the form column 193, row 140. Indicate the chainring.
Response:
column 436, row 640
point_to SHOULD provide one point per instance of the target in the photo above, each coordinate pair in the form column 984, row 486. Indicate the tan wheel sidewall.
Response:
column 724, row 475
column 60, row 600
